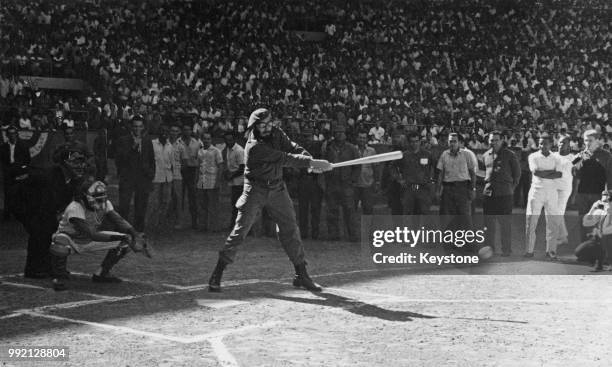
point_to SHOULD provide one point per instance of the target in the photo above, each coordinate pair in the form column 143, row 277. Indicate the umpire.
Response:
column 267, row 151
column 417, row 172
column 503, row 173
column 40, row 198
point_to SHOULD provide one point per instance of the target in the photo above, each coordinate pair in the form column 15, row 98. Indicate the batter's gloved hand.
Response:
column 320, row 165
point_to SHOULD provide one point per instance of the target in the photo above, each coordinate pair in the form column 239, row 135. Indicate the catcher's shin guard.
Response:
column 214, row 283
column 59, row 272
column 302, row 279
column 58, row 267
column 112, row 258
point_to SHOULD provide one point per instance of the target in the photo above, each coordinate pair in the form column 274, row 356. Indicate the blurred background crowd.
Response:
column 469, row 66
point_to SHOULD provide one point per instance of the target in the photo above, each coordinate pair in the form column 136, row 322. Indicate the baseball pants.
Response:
column 536, row 200
column 279, row 206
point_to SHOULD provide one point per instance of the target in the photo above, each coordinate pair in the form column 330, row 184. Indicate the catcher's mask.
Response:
column 96, row 196
column 76, row 162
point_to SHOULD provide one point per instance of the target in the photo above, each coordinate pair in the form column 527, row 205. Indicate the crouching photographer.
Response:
column 598, row 248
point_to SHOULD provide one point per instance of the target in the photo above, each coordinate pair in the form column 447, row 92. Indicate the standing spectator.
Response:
column 365, row 187
column 340, row 185
column 502, row 174
column 474, row 159
column 522, row 189
column 543, row 194
column 594, row 172
column 310, row 190
column 135, row 163
column 100, row 150
column 565, row 184
column 210, row 162
column 456, row 180
column 177, row 201
column 392, row 177
column 14, row 157
column 159, row 199
column 234, row 172
column 189, row 170
column 416, row 177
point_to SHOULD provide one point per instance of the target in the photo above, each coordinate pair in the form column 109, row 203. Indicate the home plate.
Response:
column 219, row 303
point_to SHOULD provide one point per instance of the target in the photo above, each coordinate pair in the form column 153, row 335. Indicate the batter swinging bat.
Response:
column 377, row 158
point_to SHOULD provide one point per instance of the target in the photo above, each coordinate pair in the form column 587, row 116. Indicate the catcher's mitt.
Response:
column 139, row 244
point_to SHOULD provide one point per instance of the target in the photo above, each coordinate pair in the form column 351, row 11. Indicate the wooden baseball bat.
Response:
column 377, row 158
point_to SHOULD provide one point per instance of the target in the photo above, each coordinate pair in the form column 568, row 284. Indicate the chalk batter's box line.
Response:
column 215, row 339
column 84, row 303
column 31, row 286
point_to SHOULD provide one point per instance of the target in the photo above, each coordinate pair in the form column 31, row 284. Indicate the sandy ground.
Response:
column 162, row 314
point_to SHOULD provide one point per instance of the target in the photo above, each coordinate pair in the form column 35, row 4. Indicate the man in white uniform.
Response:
column 545, row 167
column 564, row 184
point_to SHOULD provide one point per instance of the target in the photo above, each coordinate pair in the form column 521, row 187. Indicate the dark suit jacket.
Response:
column 41, row 197
column 22, row 157
column 133, row 166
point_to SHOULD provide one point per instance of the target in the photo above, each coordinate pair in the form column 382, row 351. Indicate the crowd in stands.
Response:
column 469, row 66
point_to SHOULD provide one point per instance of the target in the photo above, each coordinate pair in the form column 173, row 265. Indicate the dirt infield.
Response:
column 162, row 314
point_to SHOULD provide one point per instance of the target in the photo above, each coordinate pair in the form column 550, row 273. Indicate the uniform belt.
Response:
column 455, row 183
column 268, row 183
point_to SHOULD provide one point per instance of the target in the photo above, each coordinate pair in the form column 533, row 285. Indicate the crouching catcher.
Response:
column 90, row 224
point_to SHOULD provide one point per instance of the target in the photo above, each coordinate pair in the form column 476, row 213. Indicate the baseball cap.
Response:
column 257, row 116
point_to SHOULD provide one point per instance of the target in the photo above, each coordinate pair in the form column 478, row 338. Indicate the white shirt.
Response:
column 565, row 162
column 235, row 157
column 164, row 157
column 538, row 162
column 176, row 161
column 209, row 160
column 377, row 132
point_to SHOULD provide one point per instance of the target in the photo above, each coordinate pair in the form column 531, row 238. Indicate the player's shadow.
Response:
column 354, row 306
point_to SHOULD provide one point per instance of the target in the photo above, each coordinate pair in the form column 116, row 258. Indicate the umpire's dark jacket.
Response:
column 41, row 197
column 135, row 166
